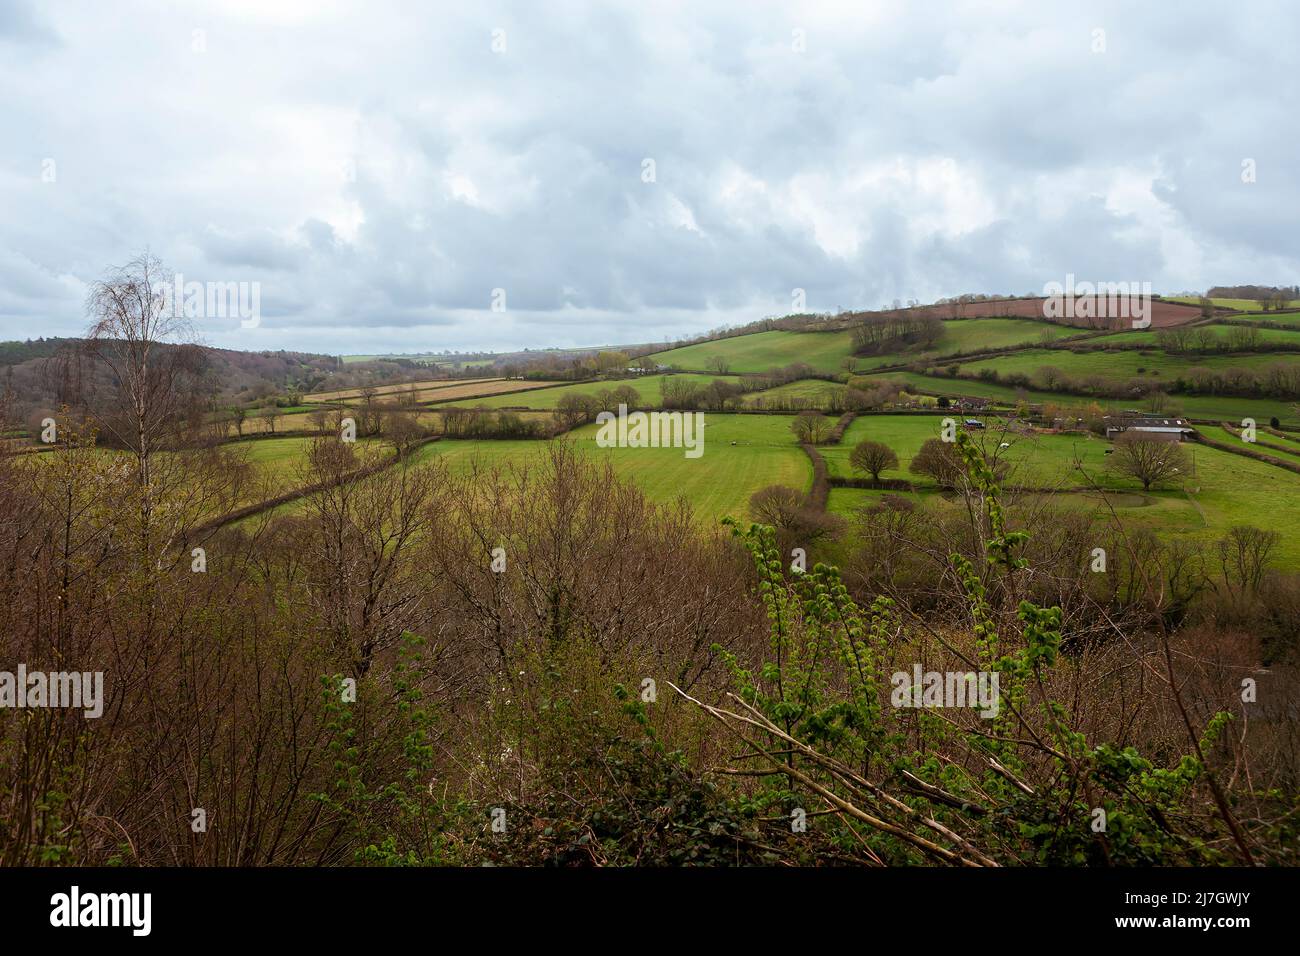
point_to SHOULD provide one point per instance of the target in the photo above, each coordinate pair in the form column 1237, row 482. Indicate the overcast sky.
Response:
column 380, row 168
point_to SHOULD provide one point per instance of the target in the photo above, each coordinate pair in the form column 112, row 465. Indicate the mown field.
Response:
column 967, row 336
column 1035, row 460
column 742, row 453
column 1221, row 333
column 761, row 351
column 804, row 389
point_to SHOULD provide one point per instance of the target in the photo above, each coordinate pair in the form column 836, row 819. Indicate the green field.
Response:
column 744, row 453
column 1290, row 451
column 1261, row 318
column 1219, row 491
column 1151, row 339
column 1288, row 442
column 274, row 456
column 826, row 351
column 716, row 484
column 970, row 336
column 1193, row 406
column 1120, row 366
column 1045, row 461
column 1244, row 305
column 804, row 389
column 761, row 351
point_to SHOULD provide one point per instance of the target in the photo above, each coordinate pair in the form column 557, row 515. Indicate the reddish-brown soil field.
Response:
column 346, row 394
column 1163, row 314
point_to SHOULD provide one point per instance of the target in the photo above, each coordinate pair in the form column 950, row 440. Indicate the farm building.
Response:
column 1170, row 429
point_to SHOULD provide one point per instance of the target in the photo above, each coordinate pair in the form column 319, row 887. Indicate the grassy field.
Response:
column 1119, row 366
column 647, row 386
column 347, row 394
column 275, row 456
column 1245, row 305
column 804, row 388
column 744, row 453
column 261, row 425
column 1288, row 442
column 1260, row 318
column 1194, row 406
column 1221, row 332
column 826, row 351
column 760, row 351
column 1219, row 491
column 1290, row 451
column 968, row 336
column 716, row 484
column 1036, row 460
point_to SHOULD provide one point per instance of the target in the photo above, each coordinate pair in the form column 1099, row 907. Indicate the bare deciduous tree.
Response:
column 873, row 457
column 1149, row 460
column 145, row 343
column 939, row 460
column 1244, row 554
column 811, row 427
column 776, row 505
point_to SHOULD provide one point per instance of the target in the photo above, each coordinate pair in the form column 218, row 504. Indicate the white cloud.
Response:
column 379, row 169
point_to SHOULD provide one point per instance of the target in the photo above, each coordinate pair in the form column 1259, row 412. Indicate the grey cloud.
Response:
column 380, row 170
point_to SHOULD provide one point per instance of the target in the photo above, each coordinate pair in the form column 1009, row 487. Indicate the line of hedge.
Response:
column 837, row 432
column 1267, row 459
column 820, row 494
column 1235, row 430
column 247, row 511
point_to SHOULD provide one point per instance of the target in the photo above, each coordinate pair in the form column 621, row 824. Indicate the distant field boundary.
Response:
column 263, row 435
column 902, row 484
column 1077, row 393
column 1247, row 453
column 837, row 433
column 883, row 484
column 1260, row 323
column 1232, row 429
column 957, row 358
column 293, row 494
column 1273, row 347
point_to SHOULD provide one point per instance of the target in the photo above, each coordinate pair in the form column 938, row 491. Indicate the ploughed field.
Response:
column 648, row 387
